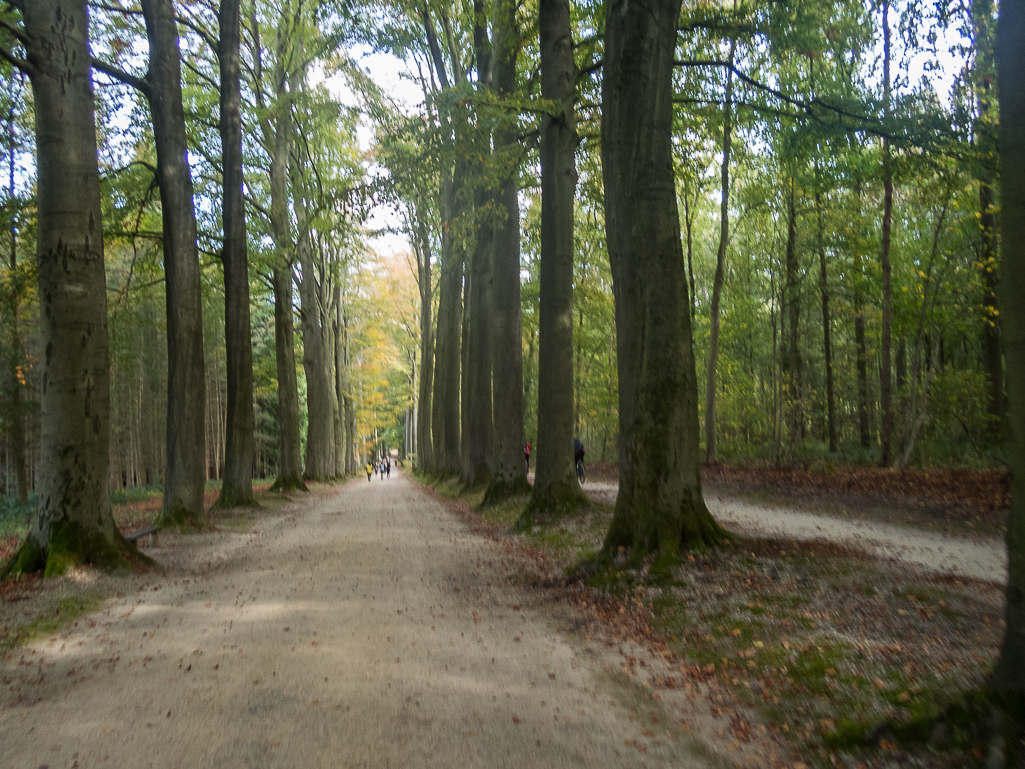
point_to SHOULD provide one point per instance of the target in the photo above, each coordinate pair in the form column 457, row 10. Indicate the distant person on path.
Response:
column 388, row 467
column 370, row 470
column 578, row 450
column 526, row 454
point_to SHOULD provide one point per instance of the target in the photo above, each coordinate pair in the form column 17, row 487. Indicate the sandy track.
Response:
column 975, row 558
column 370, row 629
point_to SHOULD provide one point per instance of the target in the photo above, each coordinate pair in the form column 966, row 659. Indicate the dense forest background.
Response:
column 798, row 126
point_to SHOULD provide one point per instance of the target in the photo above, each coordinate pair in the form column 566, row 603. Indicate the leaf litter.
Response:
column 782, row 652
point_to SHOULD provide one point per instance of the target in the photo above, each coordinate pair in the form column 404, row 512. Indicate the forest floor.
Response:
column 781, row 648
column 362, row 625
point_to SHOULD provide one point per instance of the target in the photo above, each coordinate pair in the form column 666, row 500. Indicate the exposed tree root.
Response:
column 555, row 502
column 230, row 497
column 71, row 545
column 182, row 519
column 286, row 483
column 500, row 490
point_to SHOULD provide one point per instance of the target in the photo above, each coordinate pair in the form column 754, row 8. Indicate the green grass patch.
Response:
column 506, row 512
column 15, row 518
column 67, row 610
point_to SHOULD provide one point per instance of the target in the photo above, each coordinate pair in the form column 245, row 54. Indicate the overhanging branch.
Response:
column 140, row 84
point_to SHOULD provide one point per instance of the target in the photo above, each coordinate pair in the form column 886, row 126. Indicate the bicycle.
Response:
column 580, row 471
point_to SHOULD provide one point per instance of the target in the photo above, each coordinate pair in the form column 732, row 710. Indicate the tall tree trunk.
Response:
column 793, row 374
column 348, row 404
column 508, row 472
column 341, row 384
column 464, row 376
column 237, row 488
column 15, row 375
column 885, row 373
column 478, row 425
column 289, row 462
column 711, row 449
column 73, row 523
column 184, row 477
column 827, row 343
column 318, row 348
column 424, row 446
column 289, row 459
column 445, row 406
column 556, row 490
column 1009, row 674
column 660, row 505
column 688, row 221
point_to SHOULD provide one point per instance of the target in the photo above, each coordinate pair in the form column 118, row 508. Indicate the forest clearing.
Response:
column 703, row 316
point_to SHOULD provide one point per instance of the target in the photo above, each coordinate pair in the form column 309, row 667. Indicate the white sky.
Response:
column 385, row 70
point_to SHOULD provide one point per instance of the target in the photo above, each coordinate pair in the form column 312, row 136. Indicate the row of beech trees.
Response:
column 191, row 415
column 470, row 418
column 790, row 170
column 477, row 426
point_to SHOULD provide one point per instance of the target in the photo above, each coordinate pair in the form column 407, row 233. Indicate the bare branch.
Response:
column 18, row 63
column 592, row 67
column 140, row 84
column 15, row 32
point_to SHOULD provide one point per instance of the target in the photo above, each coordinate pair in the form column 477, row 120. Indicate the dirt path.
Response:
column 976, row 558
column 367, row 628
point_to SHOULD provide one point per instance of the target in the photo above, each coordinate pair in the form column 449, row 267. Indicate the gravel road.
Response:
column 367, row 627
column 975, row 558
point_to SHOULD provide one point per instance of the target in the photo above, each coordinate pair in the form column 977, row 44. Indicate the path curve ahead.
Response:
column 370, row 629
column 975, row 558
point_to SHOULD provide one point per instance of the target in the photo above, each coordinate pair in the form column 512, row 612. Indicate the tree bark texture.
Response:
column 464, row 371
column 711, row 449
column 185, row 474
column 237, row 486
column 445, row 409
column 445, row 406
column 660, row 505
column 478, row 425
column 424, row 447
column 73, row 523
column 345, row 393
column 289, row 459
column 556, row 490
column 885, row 366
column 341, row 384
column 318, row 348
column 508, row 471
column 1009, row 673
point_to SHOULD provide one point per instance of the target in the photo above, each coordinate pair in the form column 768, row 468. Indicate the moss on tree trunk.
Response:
column 70, row 545
column 660, row 505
